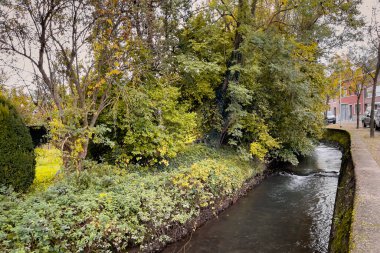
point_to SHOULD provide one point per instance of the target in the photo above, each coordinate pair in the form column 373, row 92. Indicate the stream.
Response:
column 288, row 212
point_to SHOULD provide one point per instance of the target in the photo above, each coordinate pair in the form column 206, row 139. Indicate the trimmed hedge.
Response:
column 17, row 160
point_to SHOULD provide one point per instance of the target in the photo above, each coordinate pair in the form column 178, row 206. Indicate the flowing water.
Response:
column 288, row 212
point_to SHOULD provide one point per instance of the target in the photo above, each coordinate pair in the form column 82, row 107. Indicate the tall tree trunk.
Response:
column 253, row 8
column 83, row 154
column 236, row 58
column 357, row 110
column 327, row 104
column 372, row 125
column 167, row 6
column 150, row 22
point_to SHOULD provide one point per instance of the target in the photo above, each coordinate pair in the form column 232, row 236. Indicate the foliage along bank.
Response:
column 142, row 78
column 106, row 208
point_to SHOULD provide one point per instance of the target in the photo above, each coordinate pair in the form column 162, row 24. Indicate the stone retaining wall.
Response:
column 342, row 218
column 356, row 224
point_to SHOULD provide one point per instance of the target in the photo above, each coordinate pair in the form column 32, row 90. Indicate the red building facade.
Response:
column 348, row 103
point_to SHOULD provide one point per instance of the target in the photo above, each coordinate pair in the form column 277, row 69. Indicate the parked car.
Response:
column 377, row 119
column 366, row 120
column 330, row 117
column 367, row 117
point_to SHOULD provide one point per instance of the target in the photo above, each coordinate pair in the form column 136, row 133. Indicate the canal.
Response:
column 288, row 212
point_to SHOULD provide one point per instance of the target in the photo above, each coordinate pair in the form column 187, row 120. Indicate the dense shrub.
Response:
column 151, row 126
column 16, row 149
column 110, row 209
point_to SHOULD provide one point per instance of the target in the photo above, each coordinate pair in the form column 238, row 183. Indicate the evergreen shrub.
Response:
column 17, row 160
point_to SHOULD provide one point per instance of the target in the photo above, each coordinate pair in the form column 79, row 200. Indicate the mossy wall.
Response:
column 342, row 219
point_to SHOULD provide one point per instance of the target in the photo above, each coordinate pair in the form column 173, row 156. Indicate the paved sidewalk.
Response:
column 372, row 144
column 365, row 230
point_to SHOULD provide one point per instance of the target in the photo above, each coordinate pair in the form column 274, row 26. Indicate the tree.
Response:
column 150, row 126
column 359, row 81
column 374, row 32
column 273, row 51
column 351, row 72
column 231, row 61
column 76, row 49
column 153, row 122
column 84, row 53
column 361, row 75
column 2, row 81
column 30, row 108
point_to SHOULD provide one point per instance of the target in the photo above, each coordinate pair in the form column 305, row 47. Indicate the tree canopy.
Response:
column 143, row 78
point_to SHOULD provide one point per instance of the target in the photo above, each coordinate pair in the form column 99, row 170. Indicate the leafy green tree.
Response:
column 150, row 125
column 374, row 48
column 271, row 92
column 246, row 71
column 84, row 52
column 203, row 46
column 352, row 73
column 149, row 121
column 76, row 49
column 32, row 110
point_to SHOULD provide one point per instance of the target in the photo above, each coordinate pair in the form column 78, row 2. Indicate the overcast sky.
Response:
column 367, row 7
column 14, row 80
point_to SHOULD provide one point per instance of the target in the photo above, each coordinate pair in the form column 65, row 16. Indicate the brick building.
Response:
column 349, row 102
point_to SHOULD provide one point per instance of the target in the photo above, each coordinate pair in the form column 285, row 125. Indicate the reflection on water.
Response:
column 285, row 213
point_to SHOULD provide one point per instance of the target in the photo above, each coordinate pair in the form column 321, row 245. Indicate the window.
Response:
column 369, row 91
column 344, row 92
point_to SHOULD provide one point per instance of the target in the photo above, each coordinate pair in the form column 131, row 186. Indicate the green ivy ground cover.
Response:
column 109, row 209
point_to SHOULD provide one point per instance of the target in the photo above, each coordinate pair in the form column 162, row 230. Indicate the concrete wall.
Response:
column 356, row 224
column 344, row 201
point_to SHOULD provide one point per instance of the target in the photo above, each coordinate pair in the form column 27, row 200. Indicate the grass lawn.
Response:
column 48, row 162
